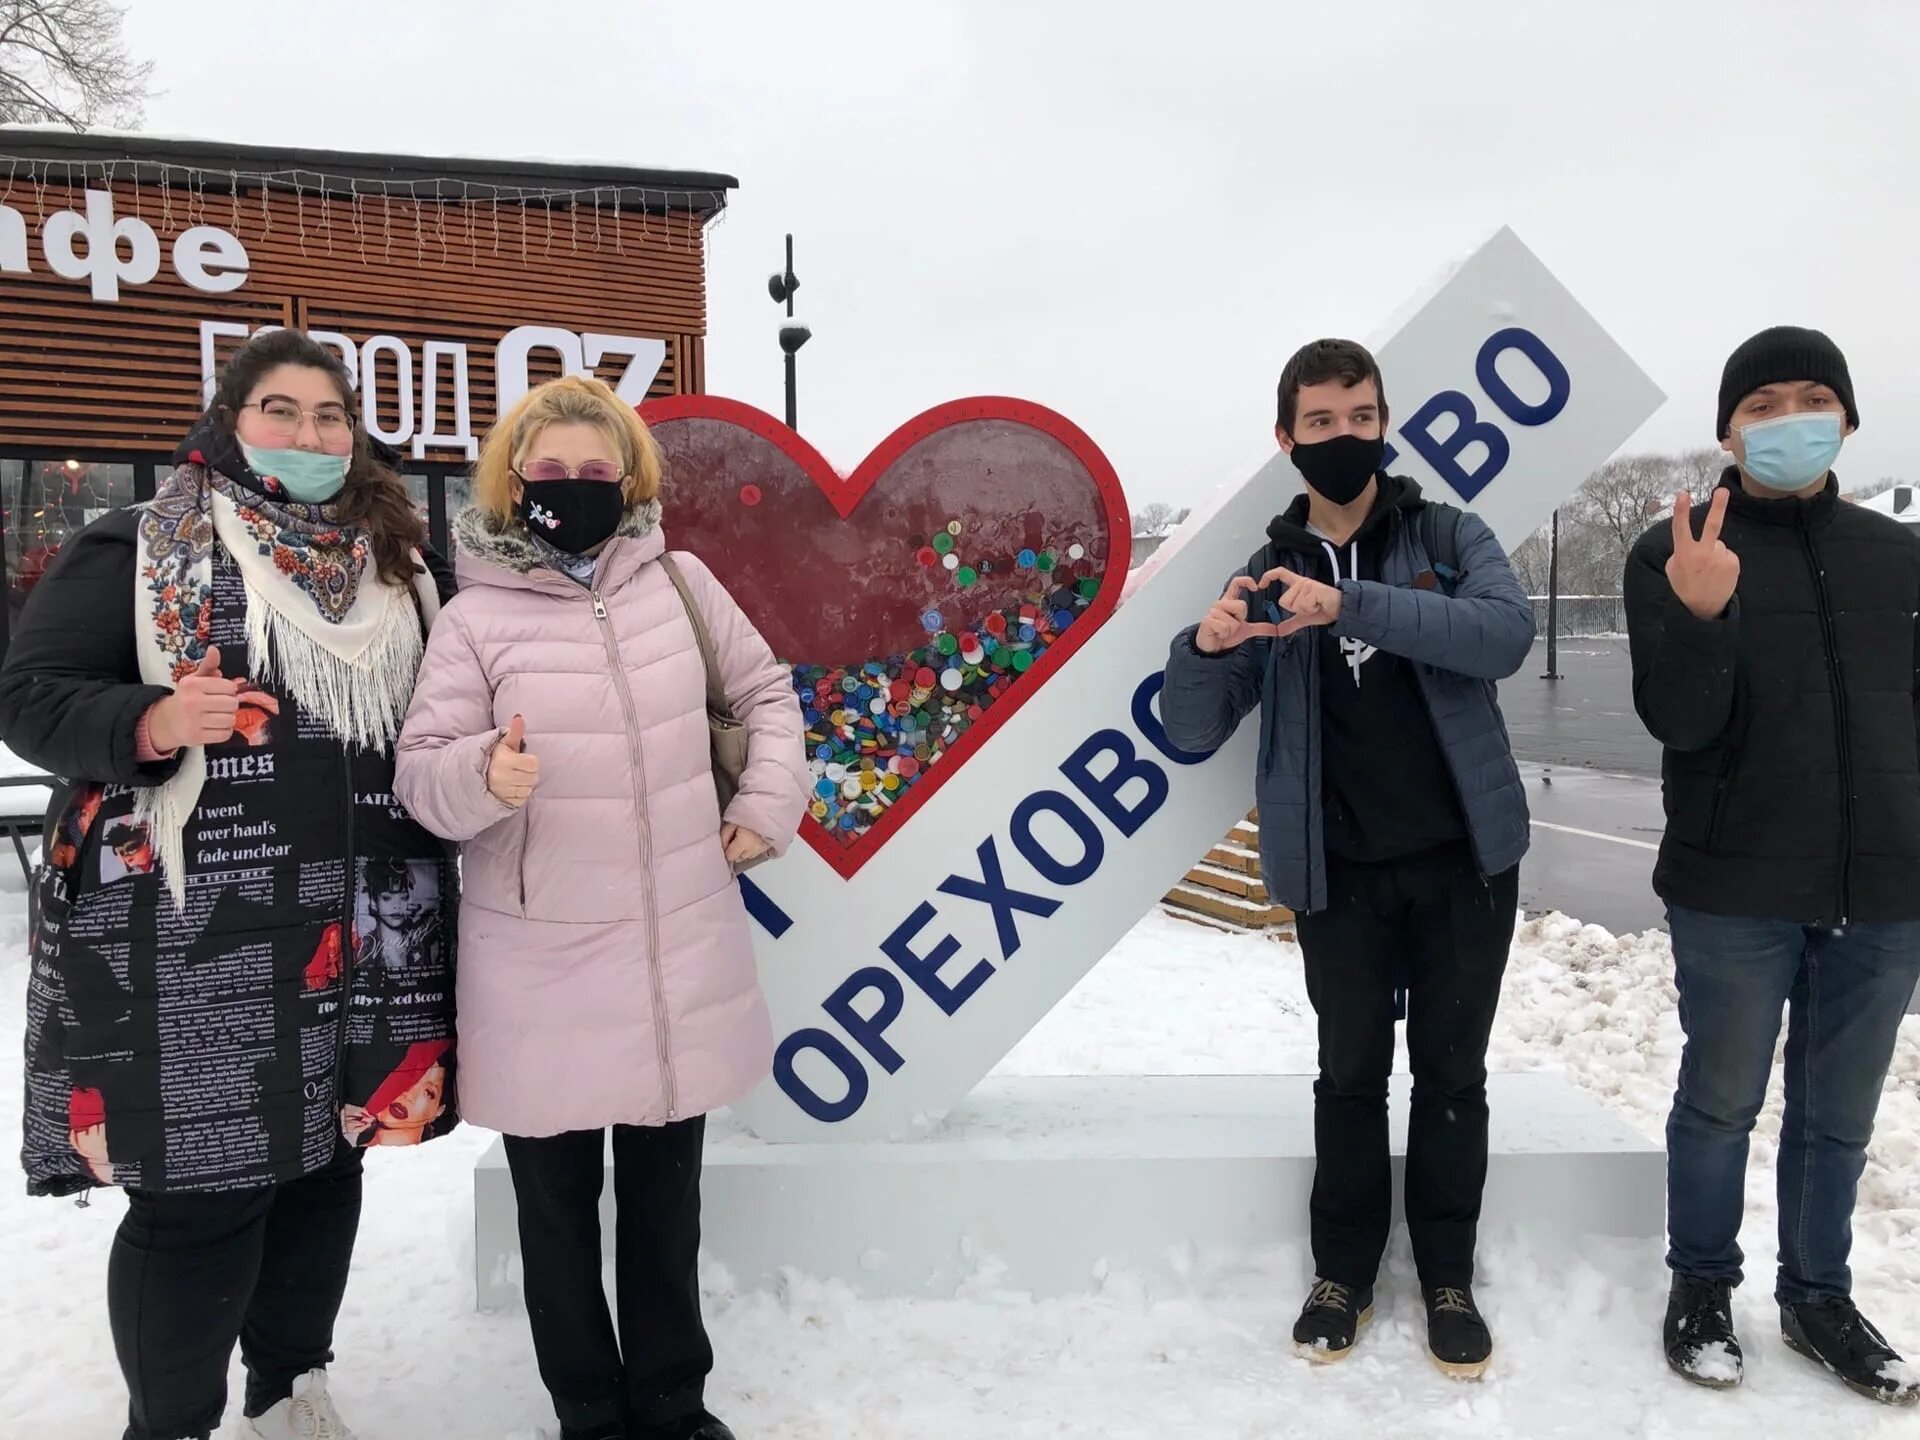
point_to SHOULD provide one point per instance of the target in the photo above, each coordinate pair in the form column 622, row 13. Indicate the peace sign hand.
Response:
column 1703, row 572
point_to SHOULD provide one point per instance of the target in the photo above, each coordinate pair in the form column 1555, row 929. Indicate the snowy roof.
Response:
column 704, row 191
column 1902, row 502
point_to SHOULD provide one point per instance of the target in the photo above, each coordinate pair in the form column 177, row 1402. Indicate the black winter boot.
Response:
column 1334, row 1316
column 1835, row 1334
column 1701, row 1346
column 1457, row 1334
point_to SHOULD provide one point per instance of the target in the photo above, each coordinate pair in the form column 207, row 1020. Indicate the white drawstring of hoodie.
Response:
column 1356, row 651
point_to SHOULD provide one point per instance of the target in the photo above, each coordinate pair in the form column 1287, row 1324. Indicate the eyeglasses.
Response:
column 282, row 417
column 536, row 471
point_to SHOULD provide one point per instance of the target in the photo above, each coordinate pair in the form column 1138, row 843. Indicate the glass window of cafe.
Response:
column 48, row 495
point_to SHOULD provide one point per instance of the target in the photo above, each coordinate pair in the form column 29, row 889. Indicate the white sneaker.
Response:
column 307, row 1414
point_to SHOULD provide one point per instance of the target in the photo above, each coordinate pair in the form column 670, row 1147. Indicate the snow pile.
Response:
column 1577, row 1333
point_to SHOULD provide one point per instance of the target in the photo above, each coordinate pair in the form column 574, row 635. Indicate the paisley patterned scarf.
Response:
column 321, row 625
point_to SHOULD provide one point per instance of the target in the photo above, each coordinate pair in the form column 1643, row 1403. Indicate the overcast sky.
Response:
column 1133, row 213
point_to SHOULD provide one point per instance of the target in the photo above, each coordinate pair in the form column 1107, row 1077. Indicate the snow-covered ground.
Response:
column 1578, row 1333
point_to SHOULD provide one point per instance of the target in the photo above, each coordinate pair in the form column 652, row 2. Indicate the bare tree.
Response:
column 1628, row 493
column 1698, row 472
column 63, row 61
column 1157, row 517
column 1620, row 498
column 1531, row 559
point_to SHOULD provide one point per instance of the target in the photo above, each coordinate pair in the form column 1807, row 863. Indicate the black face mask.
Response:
column 572, row 515
column 1337, row 470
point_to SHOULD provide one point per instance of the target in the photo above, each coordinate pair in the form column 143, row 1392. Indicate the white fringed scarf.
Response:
column 321, row 625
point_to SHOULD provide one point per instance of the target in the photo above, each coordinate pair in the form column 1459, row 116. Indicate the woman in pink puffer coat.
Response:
column 606, row 973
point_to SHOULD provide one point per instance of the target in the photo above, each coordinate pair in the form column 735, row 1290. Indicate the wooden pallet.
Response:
column 1225, row 889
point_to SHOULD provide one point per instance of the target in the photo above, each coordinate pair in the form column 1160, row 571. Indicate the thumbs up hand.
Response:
column 511, row 772
column 203, row 707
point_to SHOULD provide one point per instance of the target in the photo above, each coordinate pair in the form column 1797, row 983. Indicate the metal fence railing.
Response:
column 1582, row 616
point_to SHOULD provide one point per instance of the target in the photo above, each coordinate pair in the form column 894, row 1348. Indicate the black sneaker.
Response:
column 700, row 1425
column 1457, row 1334
column 1701, row 1346
column 1835, row 1334
column 1334, row 1316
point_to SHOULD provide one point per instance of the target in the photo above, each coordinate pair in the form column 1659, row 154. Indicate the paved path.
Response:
column 1584, row 719
column 1594, row 841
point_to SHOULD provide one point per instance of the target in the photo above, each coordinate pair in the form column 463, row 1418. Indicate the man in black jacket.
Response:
column 1774, row 656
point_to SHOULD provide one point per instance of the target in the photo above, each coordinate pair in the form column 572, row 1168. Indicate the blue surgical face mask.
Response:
column 307, row 476
column 1791, row 452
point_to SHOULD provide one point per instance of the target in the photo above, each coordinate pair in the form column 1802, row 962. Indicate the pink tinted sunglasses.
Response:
column 537, row 471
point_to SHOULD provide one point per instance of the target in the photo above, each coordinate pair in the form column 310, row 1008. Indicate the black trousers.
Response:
column 654, row 1373
column 1434, row 926
column 191, row 1274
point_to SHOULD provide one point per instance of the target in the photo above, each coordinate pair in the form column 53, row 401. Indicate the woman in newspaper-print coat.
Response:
column 221, row 1016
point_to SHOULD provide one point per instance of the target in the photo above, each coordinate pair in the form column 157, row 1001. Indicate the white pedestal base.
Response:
column 1037, row 1182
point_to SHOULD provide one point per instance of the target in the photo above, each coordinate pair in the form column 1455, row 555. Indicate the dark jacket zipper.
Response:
column 1837, row 681
column 1446, row 755
column 526, row 839
column 346, row 937
column 1722, row 785
column 1284, row 650
column 1446, row 761
column 1309, row 663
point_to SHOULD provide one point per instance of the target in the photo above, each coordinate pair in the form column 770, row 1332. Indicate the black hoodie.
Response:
column 1387, row 791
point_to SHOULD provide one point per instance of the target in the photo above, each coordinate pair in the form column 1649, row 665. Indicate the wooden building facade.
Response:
column 131, row 267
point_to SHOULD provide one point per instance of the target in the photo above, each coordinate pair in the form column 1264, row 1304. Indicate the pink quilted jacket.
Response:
column 606, row 973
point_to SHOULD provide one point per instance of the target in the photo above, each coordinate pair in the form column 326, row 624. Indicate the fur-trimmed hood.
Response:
column 508, row 545
column 490, row 552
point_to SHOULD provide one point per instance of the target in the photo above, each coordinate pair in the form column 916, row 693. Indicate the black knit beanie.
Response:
column 1786, row 352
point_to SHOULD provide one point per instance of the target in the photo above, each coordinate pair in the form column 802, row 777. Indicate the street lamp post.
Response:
column 781, row 285
column 1553, row 601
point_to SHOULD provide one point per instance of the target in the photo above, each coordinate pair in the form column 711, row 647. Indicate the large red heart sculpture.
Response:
column 920, row 600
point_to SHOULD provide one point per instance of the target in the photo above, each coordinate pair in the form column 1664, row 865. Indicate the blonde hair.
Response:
column 576, row 400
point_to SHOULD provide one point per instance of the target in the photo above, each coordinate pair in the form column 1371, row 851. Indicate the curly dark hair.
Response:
column 376, row 499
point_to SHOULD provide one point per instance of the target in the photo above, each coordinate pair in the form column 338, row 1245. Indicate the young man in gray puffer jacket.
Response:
column 1369, row 632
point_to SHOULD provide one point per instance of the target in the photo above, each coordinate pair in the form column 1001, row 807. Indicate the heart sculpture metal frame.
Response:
column 943, row 582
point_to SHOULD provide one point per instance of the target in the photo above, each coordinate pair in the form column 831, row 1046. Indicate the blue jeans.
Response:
column 1845, row 992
